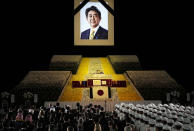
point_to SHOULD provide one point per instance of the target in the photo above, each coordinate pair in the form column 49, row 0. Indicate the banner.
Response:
column 35, row 98
column 12, row 98
column 188, row 97
column 168, row 97
column 99, row 82
column 100, row 92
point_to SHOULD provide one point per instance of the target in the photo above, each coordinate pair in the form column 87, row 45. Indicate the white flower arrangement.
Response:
column 28, row 95
column 5, row 94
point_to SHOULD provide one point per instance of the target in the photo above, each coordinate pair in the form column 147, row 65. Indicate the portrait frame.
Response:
column 95, row 42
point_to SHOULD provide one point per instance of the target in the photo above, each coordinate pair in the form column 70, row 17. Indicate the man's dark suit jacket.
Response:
column 100, row 34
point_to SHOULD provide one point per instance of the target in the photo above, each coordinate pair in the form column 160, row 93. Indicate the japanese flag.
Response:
column 100, row 92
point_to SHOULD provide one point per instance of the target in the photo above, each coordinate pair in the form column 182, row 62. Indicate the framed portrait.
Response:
column 93, row 24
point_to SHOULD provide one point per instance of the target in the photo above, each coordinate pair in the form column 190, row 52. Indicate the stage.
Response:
column 98, row 68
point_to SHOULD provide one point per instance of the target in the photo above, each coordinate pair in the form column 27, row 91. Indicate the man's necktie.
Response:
column 92, row 35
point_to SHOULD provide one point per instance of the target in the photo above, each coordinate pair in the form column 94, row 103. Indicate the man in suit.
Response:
column 93, row 16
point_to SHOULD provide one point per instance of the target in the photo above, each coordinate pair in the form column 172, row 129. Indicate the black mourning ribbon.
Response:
column 101, row 1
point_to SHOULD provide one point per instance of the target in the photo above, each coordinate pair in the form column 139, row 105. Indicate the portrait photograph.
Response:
column 94, row 21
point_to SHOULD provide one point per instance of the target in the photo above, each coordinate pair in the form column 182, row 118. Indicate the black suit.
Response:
column 100, row 34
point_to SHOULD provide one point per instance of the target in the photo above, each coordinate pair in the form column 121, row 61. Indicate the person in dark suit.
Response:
column 93, row 16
